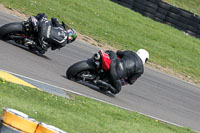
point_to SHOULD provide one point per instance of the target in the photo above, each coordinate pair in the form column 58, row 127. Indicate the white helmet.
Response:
column 143, row 54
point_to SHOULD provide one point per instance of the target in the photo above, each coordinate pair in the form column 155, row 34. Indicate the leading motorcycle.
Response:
column 23, row 33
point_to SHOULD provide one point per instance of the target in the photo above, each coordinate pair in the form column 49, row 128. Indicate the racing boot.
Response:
column 40, row 50
column 104, row 86
column 43, row 46
column 113, row 90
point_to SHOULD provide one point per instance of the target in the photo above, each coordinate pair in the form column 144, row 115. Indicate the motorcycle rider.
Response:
column 125, row 68
column 53, row 34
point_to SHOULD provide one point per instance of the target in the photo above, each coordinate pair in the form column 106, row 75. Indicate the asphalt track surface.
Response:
column 154, row 94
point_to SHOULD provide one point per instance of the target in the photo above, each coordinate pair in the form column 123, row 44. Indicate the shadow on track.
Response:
column 93, row 87
column 27, row 49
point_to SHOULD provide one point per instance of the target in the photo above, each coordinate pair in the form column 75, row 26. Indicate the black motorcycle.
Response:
column 94, row 71
column 23, row 33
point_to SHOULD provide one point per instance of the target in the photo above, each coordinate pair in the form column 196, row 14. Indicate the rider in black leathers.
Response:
column 126, row 67
column 53, row 34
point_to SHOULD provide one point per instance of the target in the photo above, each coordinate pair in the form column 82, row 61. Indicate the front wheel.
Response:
column 83, row 70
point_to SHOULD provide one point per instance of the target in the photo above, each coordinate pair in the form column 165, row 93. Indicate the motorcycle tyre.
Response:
column 78, row 67
column 16, row 27
column 10, row 28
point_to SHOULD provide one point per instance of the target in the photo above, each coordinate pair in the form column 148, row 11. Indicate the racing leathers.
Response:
column 51, row 33
column 126, row 67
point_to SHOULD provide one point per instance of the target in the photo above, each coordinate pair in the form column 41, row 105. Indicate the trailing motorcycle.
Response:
column 93, row 71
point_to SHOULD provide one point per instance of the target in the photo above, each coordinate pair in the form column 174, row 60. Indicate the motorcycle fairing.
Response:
column 105, row 60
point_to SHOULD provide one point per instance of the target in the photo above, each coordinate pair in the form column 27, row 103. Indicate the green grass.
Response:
column 110, row 23
column 79, row 114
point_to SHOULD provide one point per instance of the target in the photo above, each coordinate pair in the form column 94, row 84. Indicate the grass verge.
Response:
column 79, row 114
column 110, row 23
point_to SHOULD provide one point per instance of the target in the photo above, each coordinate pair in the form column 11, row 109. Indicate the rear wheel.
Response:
column 83, row 70
column 85, row 75
column 10, row 30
